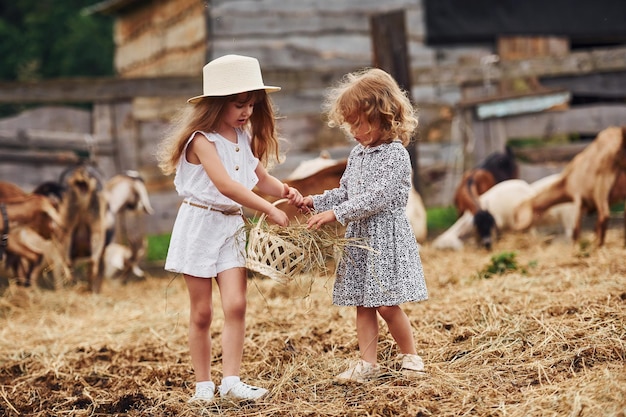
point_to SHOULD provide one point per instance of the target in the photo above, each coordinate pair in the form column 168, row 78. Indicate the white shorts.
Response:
column 205, row 242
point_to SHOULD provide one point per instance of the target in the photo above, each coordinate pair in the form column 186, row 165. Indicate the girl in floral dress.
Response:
column 371, row 201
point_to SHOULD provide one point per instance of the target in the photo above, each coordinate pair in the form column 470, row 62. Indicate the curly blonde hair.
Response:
column 373, row 95
column 205, row 116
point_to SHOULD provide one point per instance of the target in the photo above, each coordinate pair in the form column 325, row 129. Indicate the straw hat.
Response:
column 231, row 74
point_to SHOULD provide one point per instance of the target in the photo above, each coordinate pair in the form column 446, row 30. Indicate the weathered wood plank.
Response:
column 585, row 120
column 38, row 157
column 550, row 153
column 86, row 90
column 40, row 140
column 575, row 63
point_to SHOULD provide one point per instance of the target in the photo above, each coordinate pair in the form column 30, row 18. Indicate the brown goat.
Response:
column 473, row 184
column 28, row 210
column 497, row 167
column 31, row 249
column 587, row 180
column 33, row 226
column 84, row 210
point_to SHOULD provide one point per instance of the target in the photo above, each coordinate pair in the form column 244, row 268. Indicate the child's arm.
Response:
column 206, row 152
column 268, row 184
column 386, row 188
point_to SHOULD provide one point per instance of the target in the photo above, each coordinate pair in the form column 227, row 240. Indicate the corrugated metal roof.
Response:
column 111, row 6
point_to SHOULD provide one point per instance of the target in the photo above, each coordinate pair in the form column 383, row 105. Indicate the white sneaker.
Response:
column 411, row 362
column 243, row 391
column 361, row 372
column 203, row 394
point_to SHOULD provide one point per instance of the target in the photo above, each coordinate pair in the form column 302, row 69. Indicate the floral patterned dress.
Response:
column 371, row 200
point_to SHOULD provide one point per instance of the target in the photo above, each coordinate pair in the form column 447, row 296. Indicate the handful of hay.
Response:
column 281, row 253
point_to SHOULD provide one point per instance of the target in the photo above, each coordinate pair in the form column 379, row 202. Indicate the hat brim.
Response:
column 268, row 89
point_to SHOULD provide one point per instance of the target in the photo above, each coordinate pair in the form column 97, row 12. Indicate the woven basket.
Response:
column 271, row 255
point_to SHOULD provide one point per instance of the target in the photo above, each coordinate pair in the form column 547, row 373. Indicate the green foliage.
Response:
column 440, row 218
column 50, row 39
column 44, row 39
column 500, row 264
column 618, row 207
column 157, row 247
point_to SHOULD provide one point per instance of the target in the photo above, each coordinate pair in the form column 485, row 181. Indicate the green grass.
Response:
column 157, row 247
column 440, row 218
column 500, row 264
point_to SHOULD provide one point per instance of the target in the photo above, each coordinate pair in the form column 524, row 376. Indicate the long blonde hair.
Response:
column 206, row 114
column 373, row 94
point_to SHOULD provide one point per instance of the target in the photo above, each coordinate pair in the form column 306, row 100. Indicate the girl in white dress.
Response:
column 218, row 151
column 371, row 200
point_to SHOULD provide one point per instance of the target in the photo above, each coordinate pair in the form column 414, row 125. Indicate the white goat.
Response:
column 499, row 201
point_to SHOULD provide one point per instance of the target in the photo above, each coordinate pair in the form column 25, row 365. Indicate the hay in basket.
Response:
column 282, row 253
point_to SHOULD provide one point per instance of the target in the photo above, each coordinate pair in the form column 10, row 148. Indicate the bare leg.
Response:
column 367, row 333
column 201, row 314
column 233, row 284
column 399, row 327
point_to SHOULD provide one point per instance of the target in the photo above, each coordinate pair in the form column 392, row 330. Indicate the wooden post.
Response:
column 390, row 50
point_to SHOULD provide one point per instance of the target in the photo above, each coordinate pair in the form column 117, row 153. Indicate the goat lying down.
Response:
column 586, row 181
column 496, row 214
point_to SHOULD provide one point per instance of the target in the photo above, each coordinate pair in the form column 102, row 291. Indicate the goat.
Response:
column 84, row 210
column 31, row 225
column 124, row 192
column 29, row 209
column 497, row 167
column 122, row 261
column 473, row 184
column 587, row 181
column 565, row 213
column 495, row 215
column 29, row 249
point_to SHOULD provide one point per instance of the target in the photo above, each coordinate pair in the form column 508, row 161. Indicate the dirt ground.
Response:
column 546, row 338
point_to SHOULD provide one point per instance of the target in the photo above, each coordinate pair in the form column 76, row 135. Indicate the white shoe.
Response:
column 361, row 372
column 203, row 394
column 411, row 362
column 243, row 391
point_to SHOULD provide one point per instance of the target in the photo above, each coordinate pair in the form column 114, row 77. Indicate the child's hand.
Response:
column 294, row 196
column 320, row 219
column 307, row 204
column 278, row 216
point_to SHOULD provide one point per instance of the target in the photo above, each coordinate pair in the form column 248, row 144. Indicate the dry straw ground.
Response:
column 547, row 339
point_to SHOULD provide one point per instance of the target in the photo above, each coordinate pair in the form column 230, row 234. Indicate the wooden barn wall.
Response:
column 315, row 40
column 316, row 35
column 167, row 38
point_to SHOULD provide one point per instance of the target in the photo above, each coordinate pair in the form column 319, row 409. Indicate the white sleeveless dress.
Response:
column 205, row 242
